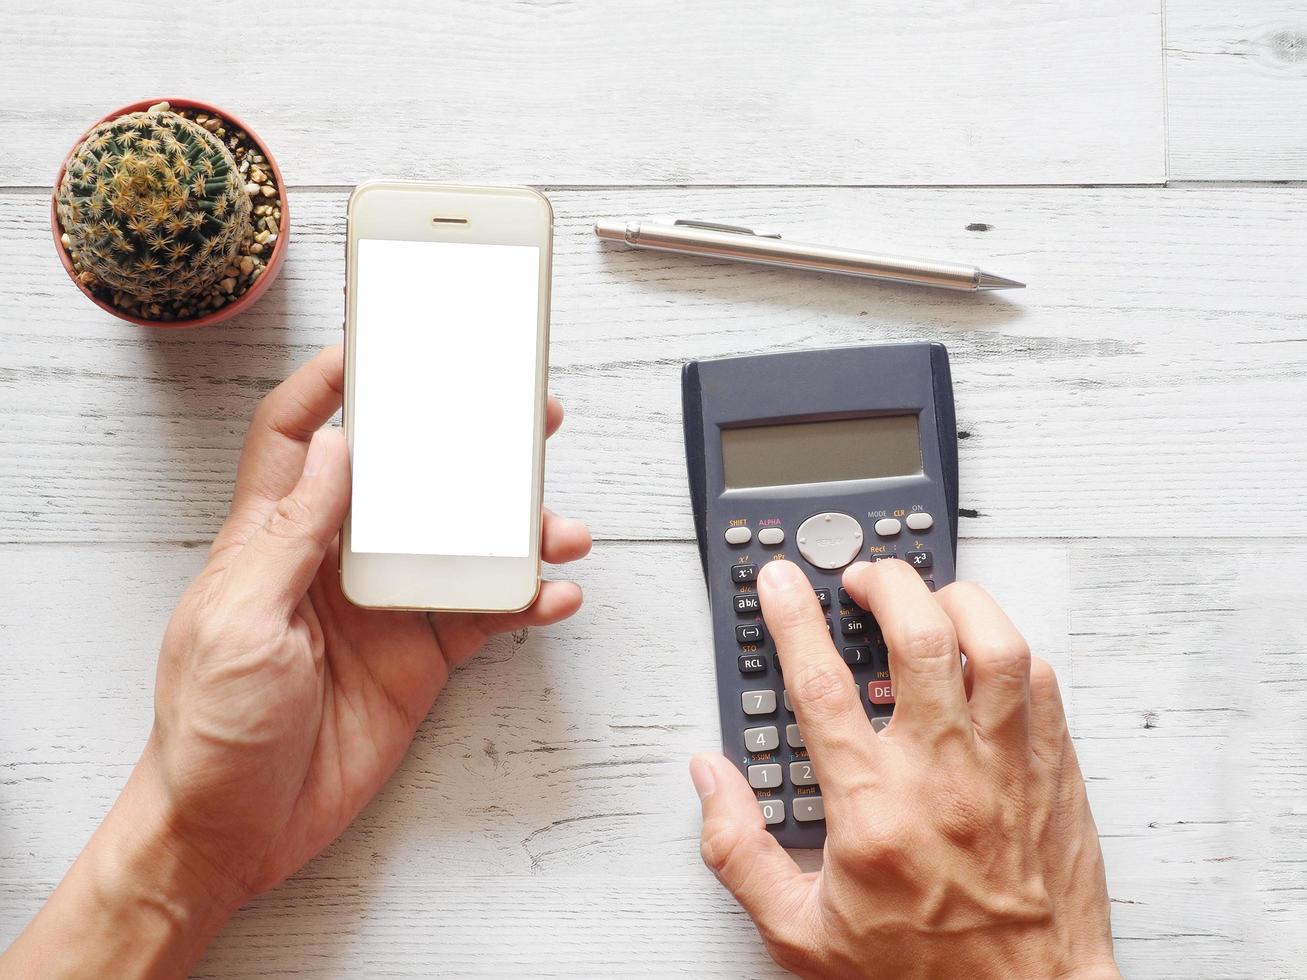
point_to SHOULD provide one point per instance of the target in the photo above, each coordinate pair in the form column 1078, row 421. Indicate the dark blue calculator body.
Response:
column 824, row 457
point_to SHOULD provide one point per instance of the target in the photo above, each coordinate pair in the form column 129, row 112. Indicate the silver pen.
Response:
column 721, row 241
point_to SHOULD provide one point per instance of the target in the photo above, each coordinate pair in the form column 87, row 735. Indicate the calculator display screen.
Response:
column 821, row 452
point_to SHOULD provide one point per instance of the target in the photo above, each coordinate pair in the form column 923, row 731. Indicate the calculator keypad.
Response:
column 776, row 761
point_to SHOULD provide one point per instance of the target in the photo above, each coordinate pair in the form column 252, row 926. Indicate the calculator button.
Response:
column 793, row 737
column 848, row 600
column 746, row 602
column 748, row 633
column 771, row 536
column 823, row 596
column 853, row 626
column 752, row 663
column 765, row 777
column 830, row 540
column 856, row 656
column 801, row 774
column 776, row 661
column 930, row 583
column 920, row 522
column 738, row 535
column 744, row 573
column 773, row 811
column 880, row 692
column 880, row 556
column 758, row 702
column 887, row 527
column 807, row 808
column 785, row 696
column 919, row 559
column 761, row 739
column 880, row 723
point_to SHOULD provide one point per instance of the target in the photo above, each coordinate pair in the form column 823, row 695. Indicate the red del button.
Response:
column 880, row 692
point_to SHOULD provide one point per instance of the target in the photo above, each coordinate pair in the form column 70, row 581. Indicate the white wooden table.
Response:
column 1133, row 466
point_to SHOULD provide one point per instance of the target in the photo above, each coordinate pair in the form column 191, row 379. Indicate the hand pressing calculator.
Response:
column 825, row 458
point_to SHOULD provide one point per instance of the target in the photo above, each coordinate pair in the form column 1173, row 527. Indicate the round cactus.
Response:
column 153, row 206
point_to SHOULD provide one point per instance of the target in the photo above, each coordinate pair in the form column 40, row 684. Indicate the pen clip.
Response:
column 730, row 229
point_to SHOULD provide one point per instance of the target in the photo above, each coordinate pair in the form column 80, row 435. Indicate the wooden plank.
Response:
column 1153, row 371
column 601, row 93
column 540, row 765
column 1236, row 82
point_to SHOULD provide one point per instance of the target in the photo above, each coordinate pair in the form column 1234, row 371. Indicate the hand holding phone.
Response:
column 280, row 707
column 447, row 332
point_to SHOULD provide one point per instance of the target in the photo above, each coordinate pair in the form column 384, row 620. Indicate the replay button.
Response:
column 829, row 540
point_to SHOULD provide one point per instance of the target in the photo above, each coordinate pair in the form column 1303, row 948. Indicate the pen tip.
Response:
column 987, row 281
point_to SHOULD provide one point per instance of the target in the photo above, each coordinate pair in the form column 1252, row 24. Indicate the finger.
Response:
column 1048, row 727
column 273, row 569
column 277, row 441
column 833, row 722
column 553, row 416
column 563, row 539
column 746, row 859
column 461, row 634
column 998, row 660
column 923, row 647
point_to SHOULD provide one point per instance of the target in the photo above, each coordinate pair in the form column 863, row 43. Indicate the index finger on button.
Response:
column 925, row 663
column 835, row 729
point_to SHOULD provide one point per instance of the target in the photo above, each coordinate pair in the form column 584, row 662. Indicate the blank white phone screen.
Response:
column 444, row 398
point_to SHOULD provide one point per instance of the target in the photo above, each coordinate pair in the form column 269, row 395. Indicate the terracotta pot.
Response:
column 272, row 263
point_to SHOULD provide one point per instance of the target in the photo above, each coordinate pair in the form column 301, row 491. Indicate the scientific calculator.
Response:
column 823, row 457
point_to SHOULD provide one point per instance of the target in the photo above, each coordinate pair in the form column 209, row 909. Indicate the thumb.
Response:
column 738, row 849
column 278, row 562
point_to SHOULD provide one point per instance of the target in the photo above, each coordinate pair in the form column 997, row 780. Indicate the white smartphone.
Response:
column 446, row 367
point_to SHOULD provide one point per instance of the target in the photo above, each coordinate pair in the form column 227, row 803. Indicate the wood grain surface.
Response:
column 1134, row 432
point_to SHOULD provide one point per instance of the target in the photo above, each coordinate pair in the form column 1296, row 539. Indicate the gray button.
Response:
column 880, row 723
column 801, row 774
column 808, row 808
column 758, row 702
column 887, row 527
column 738, row 535
column 765, row 777
column 920, row 522
column 788, row 706
column 830, row 540
column 761, row 739
column 793, row 737
column 773, row 811
column 771, row 535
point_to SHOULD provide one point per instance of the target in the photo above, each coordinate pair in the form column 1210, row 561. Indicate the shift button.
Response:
column 738, row 535
column 771, row 535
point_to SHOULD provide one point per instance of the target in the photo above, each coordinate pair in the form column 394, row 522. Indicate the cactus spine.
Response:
column 153, row 206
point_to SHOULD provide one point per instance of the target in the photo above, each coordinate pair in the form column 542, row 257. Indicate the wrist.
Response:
column 137, row 902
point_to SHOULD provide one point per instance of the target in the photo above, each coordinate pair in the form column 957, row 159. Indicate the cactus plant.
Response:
column 153, row 206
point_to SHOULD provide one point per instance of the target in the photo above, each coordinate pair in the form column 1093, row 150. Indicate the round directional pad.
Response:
column 829, row 540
